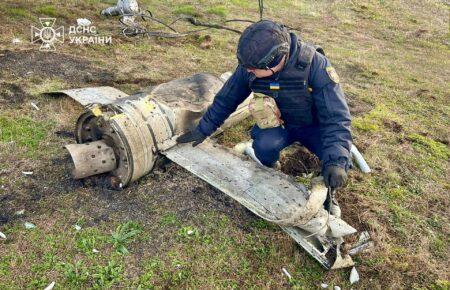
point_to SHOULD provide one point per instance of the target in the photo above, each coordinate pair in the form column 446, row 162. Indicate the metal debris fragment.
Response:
column 35, row 106
column 29, row 225
column 27, row 172
column 95, row 251
column 324, row 285
column 359, row 159
column 285, row 272
column 50, row 286
column 2, row 235
column 83, row 22
column 19, row 212
column 190, row 232
column 354, row 276
column 337, row 288
column 16, row 41
column 77, row 228
column 364, row 243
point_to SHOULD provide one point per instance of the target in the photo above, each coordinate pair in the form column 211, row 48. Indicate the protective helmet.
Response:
column 263, row 44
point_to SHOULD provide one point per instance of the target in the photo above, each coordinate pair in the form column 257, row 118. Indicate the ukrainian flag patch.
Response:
column 274, row 86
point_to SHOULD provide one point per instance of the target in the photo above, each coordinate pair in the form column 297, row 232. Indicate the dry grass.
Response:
column 391, row 56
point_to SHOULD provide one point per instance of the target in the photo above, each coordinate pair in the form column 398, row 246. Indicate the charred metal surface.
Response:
column 138, row 126
column 91, row 158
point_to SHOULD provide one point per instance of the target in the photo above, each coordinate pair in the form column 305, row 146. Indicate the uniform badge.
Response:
column 332, row 74
column 274, row 86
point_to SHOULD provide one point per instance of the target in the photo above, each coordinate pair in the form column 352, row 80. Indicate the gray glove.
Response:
column 195, row 136
column 334, row 176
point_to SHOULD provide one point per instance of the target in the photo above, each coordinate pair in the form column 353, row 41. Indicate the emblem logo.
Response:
column 47, row 34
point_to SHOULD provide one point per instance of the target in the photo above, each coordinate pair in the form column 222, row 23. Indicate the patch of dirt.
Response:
column 168, row 189
column 296, row 160
column 25, row 64
column 393, row 126
column 11, row 94
column 356, row 106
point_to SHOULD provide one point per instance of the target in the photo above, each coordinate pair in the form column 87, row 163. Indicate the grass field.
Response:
column 170, row 229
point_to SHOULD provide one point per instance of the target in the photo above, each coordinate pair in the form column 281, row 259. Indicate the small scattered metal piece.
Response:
column 354, row 276
column 29, row 225
column 50, row 286
column 285, row 272
column 35, row 106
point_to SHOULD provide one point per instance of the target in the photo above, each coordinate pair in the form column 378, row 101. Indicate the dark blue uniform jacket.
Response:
column 330, row 110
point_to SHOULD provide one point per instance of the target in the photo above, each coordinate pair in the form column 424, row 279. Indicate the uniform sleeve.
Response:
column 332, row 112
column 233, row 92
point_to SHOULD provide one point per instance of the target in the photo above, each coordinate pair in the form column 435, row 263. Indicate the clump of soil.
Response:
column 25, row 64
column 393, row 126
column 296, row 160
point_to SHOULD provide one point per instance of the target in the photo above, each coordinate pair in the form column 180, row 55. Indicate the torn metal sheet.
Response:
column 271, row 195
column 95, row 95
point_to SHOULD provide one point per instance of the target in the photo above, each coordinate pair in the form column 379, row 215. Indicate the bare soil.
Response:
column 27, row 64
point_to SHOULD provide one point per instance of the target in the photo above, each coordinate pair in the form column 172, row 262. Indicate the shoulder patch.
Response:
column 332, row 74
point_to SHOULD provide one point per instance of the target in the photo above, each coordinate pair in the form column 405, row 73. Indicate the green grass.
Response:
column 430, row 146
column 124, row 234
column 47, row 10
column 18, row 12
column 188, row 10
column 217, row 10
column 23, row 131
column 403, row 203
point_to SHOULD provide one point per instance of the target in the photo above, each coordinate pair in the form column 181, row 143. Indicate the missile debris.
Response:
column 354, row 276
column 285, row 272
column 121, row 136
column 29, row 225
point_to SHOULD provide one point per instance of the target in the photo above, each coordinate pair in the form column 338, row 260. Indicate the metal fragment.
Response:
column 354, row 276
column 50, row 286
column 359, row 159
column 29, row 225
column 285, row 272
column 95, row 95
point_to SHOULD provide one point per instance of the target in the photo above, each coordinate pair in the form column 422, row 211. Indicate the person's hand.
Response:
column 194, row 135
column 334, row 176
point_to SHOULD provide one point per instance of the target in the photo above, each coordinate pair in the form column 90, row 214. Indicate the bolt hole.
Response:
column 103, row 161
column 95, row 170
column 99, row 147
column 92, row 156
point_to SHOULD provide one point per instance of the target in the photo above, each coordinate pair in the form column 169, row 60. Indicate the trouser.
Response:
column 268, row 143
